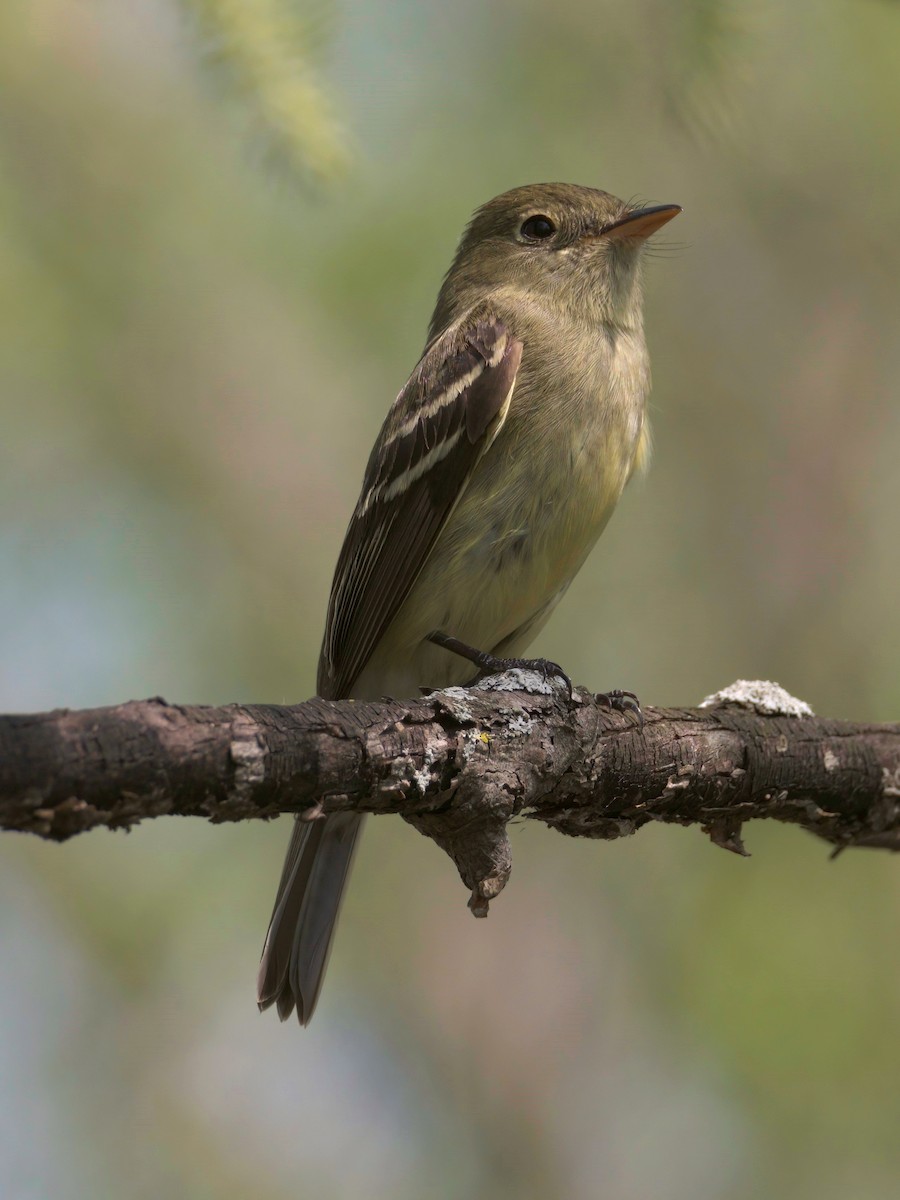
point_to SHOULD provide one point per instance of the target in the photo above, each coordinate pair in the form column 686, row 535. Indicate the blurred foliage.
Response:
column 266, row 51
column 193, row 364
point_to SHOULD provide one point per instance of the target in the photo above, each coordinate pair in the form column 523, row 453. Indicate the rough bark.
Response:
column 458, row 765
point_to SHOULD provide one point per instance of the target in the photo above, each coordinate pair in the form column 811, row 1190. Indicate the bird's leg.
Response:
column 489, row 664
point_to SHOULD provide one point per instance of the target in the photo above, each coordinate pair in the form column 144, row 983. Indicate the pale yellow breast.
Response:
column 534, row 507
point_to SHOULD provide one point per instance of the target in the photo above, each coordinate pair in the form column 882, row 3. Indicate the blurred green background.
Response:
column 222, row 227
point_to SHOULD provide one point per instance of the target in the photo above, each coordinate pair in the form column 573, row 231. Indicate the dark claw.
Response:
column 623, row 702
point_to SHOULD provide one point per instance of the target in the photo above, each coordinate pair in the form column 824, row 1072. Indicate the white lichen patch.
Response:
column 402, row 768
column 761, row 695
column 458, row 702
column 520, row 679
column 831, row 760
column 520, row 726
column 422, row 778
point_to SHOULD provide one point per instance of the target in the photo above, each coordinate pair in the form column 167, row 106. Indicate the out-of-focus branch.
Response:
column 459, row 765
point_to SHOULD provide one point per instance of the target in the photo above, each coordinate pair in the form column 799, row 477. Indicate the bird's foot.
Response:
column 542, row 666
column 624, row 702
column 490, row 664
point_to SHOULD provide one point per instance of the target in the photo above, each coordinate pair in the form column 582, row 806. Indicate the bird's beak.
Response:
column 640, row 222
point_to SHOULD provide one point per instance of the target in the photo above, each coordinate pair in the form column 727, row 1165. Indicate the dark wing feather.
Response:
column 438, row 427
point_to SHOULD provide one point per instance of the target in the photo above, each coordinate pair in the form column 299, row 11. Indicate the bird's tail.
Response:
column 306, row 910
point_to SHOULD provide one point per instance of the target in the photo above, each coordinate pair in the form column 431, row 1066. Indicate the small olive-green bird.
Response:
column 496, row 470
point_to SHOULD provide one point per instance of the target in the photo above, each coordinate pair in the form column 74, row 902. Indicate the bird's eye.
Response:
column 537, row 228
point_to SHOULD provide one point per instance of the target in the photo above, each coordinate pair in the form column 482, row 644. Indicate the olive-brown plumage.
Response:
column 493, row 474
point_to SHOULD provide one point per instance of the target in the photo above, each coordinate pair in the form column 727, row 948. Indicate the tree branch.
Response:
column 459, row 765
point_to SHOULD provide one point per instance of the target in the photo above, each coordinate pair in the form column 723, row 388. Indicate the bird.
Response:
column 494, row 473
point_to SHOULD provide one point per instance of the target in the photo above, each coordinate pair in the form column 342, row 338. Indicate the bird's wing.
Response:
column 444, row 419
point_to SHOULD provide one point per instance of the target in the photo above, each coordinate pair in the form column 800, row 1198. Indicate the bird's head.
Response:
column 577, row 246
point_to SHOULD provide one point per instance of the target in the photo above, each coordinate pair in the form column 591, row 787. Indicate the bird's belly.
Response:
column 538, row 539
column 506, row 556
